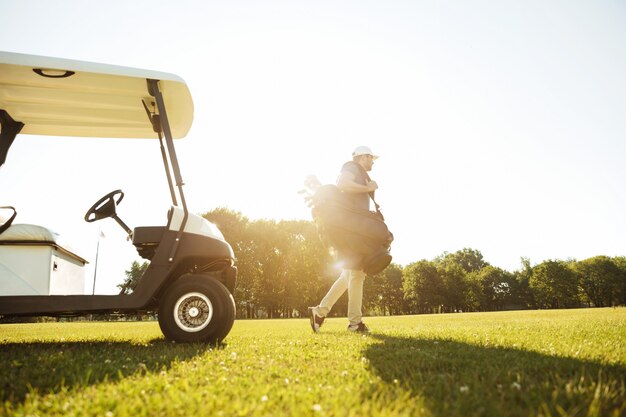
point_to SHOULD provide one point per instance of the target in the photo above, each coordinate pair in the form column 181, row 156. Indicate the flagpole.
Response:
column 95, row 268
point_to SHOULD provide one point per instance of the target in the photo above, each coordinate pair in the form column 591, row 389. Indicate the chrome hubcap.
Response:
column 193, row 312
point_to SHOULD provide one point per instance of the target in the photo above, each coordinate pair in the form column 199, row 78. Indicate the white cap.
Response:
column 363, row 150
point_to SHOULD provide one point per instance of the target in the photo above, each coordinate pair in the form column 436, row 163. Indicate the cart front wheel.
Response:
column 196, row 308
column 193, row 312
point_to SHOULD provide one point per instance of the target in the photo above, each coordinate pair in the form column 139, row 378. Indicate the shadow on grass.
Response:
column 51, row 367
column 459, row 379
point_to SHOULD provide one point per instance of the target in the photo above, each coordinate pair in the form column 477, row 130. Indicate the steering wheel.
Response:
column 105, row 207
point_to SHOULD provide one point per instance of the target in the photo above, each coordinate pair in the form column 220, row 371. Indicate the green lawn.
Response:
column 549, row 363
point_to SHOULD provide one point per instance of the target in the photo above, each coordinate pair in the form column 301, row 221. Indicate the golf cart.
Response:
column 191, row 275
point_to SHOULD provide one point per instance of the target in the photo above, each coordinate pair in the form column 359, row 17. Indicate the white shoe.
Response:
column 315, row 319
column 359, row 328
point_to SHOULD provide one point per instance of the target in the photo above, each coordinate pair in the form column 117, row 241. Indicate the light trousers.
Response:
column 352, row 281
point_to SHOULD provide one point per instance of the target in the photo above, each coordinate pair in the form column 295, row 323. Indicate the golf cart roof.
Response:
column 61, row 97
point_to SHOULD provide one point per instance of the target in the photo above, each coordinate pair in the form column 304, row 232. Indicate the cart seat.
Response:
column 29, row 233
column 146, row 239
column 34, row 235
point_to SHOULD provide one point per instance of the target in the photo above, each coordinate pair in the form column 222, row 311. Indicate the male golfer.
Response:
column 354, row 182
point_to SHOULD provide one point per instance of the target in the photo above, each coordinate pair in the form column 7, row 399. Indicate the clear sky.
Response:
column 501, row 125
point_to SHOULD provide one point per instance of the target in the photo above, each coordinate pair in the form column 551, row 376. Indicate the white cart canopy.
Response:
column 60, row 97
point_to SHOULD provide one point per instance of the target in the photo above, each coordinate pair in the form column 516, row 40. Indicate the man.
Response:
column 356, row 184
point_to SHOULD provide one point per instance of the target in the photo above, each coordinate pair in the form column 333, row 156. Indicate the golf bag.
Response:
column 360, row 237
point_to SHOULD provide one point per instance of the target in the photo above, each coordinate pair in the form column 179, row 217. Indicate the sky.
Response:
column 501, row 126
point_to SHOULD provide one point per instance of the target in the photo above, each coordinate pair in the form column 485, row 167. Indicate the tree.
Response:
column 494, row 287
column 133, row 275
column 268, row 268
column 456, row 287
column 470, row 260
column 600, row 280
column 554, row 285
column 620, row 262
column 234, row 226
column 423, row 286
column 295, row 265
column 284, row 268
column 383, row 291
column 280, row 264
column 307, row 264
column 521, row 294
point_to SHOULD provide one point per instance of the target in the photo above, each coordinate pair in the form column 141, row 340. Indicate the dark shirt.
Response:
column 360, row 201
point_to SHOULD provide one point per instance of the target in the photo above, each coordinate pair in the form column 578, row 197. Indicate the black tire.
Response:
column 196, row 308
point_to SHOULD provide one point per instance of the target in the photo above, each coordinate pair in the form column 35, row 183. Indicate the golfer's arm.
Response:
column 346, row 183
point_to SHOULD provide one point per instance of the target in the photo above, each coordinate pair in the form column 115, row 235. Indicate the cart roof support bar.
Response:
column 168, row 173
column 155, row 91
column 9, row 130
column 155, row 119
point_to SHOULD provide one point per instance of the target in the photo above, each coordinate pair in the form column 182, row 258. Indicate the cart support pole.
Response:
column 154, row 90
column 155, row 119
column 167, row 170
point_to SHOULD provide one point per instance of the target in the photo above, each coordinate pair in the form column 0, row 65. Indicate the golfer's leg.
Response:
column 355, row 296
column 338, row 288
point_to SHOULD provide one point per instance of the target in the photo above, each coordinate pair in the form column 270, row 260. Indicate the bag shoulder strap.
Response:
column 371, row 194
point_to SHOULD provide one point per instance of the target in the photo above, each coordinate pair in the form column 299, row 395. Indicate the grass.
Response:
column 544, row 363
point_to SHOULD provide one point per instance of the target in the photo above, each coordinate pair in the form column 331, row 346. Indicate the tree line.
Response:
column 284, row 268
